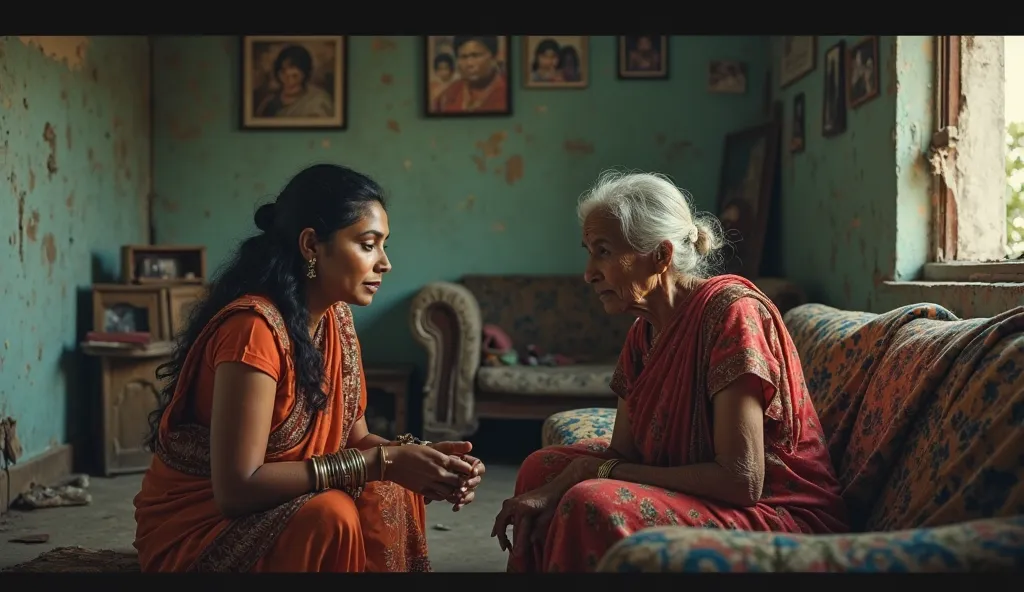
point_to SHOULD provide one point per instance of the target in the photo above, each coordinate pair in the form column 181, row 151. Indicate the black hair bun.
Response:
column 264, row 217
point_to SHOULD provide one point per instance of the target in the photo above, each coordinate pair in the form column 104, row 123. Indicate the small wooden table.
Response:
column 394, row 380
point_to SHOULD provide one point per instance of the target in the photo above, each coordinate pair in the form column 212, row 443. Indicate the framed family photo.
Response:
column 294, row 82
column 833, row 112
column 555, row 61
column 727, row 77
column 862, row 71
column 643, row 57
column 799, row 57
column 467, row 76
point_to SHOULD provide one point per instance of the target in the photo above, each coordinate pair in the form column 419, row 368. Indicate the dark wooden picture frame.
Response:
column 798, row 61
column 750, row 155
column 624, row 57
column 319, row 63
column 833, row 97
column 862, row 74
column 565, row 48
column 440, row 94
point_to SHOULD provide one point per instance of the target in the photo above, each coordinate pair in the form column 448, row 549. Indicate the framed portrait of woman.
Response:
column 467, row 76
column 294, row 82
column 556, row 61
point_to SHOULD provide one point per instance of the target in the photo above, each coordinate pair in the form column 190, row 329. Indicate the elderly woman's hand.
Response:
column 529, row 514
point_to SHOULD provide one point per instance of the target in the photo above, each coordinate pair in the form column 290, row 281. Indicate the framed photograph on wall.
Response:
column 556, row 61
column 294, row 82
column 862, row 71
column 643, row 57
column 727, row 77
column 833, row 112
column 467, row 75
column 799, row 57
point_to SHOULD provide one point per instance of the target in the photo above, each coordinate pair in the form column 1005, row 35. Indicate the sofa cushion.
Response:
column 577, row 425
column 574, row 379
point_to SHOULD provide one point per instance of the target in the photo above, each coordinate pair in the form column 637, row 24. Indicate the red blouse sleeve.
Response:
column 746, row 343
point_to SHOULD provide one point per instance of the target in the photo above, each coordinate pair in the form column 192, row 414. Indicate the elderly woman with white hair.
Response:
column 714, row 427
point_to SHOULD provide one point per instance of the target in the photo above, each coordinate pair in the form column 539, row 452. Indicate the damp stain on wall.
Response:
column 67, row 105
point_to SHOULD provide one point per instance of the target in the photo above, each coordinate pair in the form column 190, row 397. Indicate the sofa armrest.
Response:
column 445, row 319
column 981, row 545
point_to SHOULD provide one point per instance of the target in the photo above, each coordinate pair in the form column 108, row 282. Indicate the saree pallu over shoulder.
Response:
column 184, row 445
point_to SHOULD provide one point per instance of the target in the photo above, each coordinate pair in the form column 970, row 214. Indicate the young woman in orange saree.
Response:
column 714, row 427
column 262, row 461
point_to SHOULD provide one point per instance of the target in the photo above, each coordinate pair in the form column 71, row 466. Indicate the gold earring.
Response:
column 311, row 268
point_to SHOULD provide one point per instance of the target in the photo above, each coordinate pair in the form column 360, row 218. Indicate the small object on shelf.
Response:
column 163, row 264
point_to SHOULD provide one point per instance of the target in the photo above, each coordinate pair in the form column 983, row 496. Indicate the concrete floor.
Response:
column 461, row 544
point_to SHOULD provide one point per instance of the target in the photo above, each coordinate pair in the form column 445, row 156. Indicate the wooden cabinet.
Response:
column 129, row 392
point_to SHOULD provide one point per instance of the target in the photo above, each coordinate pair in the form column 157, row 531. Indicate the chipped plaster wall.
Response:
column 856, row 208
column 486, row 195
column 74, row 149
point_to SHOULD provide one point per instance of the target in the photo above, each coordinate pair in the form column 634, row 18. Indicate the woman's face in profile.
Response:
column 619, row 275
column 352, row 264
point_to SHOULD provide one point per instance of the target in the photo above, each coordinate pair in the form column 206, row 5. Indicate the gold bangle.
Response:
column 605, row 470
column 384, row 460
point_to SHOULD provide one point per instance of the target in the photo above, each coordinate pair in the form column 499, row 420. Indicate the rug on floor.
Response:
column 80, row 560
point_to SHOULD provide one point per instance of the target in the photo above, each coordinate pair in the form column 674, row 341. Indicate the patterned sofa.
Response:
column 558, row 314
column 925, row 418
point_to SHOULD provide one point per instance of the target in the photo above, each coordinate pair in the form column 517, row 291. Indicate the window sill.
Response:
column 973, row 272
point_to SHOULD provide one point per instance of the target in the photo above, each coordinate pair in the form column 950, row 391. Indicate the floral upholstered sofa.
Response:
column 924, row 414
column 559, row 315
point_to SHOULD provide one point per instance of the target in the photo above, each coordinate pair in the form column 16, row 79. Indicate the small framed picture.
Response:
column 799, row 56
column 555, row 61
column 294, row 82
column 862, row 71
column 833, row 112
column 797, row 133
column 643, row 57
column 467, row 75
column 727, row 77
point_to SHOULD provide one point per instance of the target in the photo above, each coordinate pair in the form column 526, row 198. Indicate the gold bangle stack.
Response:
column 605, row 470
column 385, row 462
column 344, row 469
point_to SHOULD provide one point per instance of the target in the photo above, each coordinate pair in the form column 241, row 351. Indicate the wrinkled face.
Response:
column 621, row 277
column 350, row 266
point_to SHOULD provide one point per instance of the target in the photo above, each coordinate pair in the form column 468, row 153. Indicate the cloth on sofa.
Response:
column 923, row 411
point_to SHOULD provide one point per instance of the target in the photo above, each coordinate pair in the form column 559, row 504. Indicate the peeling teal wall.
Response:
column 856, row 208
column 460, row 201
column 74, row 149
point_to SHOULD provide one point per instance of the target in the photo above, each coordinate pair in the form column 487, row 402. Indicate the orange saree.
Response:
column 725, row 330
column 178, row 524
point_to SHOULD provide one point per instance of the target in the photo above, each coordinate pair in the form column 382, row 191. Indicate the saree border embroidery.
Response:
column 187, row 449
column 779, row 408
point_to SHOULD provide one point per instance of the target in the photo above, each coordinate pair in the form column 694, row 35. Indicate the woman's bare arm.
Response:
column 243, row 405
column 737, row 474
column 622, row 445
column 361, row 438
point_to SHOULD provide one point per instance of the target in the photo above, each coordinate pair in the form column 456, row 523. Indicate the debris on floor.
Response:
column 72, row 492
column 441, row 527
column 31, row 539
